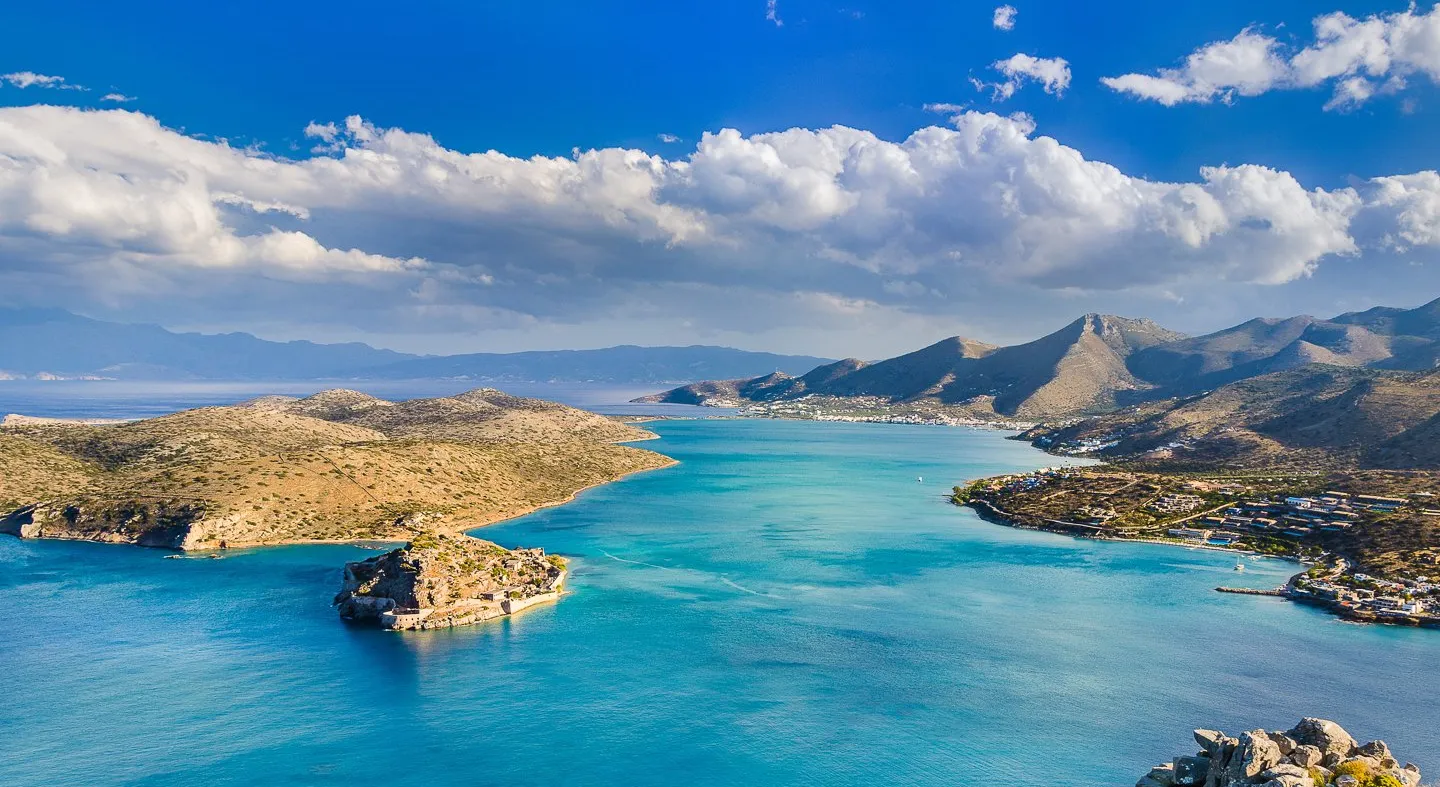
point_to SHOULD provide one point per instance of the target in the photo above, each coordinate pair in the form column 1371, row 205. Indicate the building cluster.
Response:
column 1366, row 595
column 1176, row 504
column 1301, row 517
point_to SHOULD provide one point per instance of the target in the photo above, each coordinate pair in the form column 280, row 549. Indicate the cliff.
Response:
column 442, row 581
column 1315, row 753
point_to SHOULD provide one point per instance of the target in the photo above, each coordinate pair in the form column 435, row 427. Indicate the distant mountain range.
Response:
column 1099, row 363
column 57, row 343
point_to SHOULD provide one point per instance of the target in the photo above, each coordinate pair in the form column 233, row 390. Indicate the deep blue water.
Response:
column 786, row 606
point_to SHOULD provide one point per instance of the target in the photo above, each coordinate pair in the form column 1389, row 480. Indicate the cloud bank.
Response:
column 386, row 226
column 1358, row 59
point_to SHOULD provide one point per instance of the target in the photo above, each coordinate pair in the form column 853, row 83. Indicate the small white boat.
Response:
column 920, row 479
column 1239, row 566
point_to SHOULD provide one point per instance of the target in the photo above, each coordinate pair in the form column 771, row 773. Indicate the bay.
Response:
column 788, row 605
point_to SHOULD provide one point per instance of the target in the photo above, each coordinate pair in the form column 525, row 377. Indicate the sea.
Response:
column 794, row 603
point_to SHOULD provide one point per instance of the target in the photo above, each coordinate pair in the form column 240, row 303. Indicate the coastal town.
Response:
column 1337, row 534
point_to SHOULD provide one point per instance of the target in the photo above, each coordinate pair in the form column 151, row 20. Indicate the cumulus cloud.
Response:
column 24, row 79
column 1052, row 73
column 1357, row 58
column 1004, row 18
column 388, row 223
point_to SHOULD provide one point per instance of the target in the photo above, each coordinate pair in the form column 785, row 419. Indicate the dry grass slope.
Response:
column 336, row 466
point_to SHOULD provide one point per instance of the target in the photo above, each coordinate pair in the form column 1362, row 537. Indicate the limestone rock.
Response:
column 1284, row 742
column 1255, row 754
column 1327, row 736
column 1303, row 757
column 1307, row 756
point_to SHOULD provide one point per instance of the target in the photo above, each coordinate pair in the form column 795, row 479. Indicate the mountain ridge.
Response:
column 57, row 343
column 1099, row 363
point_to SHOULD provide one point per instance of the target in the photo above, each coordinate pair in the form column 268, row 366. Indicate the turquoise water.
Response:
column 787, row 606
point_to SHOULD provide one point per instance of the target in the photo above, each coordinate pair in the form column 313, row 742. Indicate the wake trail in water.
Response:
column 722, row 577
column 635, row 562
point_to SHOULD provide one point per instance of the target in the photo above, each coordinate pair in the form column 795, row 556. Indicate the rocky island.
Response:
column 438, row 581
column 334, row 467
column 1315, row 753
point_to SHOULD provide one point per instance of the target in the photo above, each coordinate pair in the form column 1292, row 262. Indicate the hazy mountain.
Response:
column 52, row 341
column 35, row 341
column 625, row 364
column 1079, row 368
column 1382, row 337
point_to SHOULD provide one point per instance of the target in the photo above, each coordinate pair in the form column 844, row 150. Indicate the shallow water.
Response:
column 786, row 606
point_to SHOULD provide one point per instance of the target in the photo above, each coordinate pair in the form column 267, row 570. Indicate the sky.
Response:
column 832, row 178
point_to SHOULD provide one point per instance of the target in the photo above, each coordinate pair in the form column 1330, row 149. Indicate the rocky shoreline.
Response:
column 1314, row 753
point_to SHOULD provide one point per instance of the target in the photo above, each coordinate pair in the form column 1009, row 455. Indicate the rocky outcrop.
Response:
column 438, row 581
column 1315, row 753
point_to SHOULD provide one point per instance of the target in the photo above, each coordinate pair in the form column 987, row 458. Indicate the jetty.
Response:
column 1280, row 592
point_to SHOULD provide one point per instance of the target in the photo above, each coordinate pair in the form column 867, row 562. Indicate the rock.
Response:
column 1290, row 781
column 1191, row 771
column 1307, row 756
column 1284, row 742
column 1209, row 740
column 1159, row 776
column 1255, row 754
column 1327, row 736
column 1376, row 749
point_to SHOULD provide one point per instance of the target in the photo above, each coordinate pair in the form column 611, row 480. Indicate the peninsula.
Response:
column 1333, row 465
column 334, row 467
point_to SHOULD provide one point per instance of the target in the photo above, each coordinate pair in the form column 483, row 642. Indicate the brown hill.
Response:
column 1078, row 369
column 1314, row 418
column 334, row 466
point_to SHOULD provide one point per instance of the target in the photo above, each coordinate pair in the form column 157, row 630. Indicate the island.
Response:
column 338, row 466
column 1314, row 753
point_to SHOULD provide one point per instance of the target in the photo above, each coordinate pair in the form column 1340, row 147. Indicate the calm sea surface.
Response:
column 789, row 605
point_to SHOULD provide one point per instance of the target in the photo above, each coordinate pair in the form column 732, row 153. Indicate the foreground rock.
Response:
column 438, row 581
column 1315, row 753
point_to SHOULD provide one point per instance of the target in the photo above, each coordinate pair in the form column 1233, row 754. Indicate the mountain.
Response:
column 1097, row 364
column 1383, row 337
column 1079, row 368
column 40, row 342
column 1317, row 417
column 624, row 364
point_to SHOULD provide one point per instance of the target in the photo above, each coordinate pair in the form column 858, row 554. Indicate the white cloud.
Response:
column 24, row 79
column 118, row 98
column 668, row 139
column 1358, row 58
column 1053, row 74
column 1004, row 18
column 772, row 13
column 389, row 220
column 1248, row 64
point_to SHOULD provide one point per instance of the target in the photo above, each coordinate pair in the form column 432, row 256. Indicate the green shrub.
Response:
column 1357, row 769
column 1384, row 780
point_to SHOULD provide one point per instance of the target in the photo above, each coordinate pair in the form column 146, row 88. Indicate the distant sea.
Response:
column 139, row 399
column 793, row 604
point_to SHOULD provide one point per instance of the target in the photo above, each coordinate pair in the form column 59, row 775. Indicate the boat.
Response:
column 1239, row 566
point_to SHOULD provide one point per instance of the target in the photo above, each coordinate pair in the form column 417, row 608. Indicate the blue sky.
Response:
column 544, row 78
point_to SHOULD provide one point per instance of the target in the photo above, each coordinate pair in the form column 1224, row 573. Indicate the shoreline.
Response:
column 989, row 512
